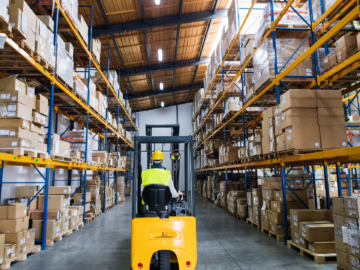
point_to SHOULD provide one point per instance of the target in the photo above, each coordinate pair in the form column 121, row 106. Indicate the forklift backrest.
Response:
column 156, row 197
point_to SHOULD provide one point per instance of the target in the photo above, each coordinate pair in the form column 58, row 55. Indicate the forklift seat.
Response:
column 156, row 199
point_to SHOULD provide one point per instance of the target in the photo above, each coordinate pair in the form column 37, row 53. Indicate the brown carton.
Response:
column 19, row 239
column 277, row 206
column 331, row 117
column 346, row 46
column 15, row 123
column 17, row 96
column 299, row 117
column 272, row 183
column 11, row 83
column 302, row 137
column 26, row 191
column 13, row 211
column 2, row 247
column 329, row 99
column 339, row 206
column 300, row 215
column 343, row 259
column 79, row 197
column 333, row 137
column 15, row 110
column 14, row 225
column 265, row 223
column 281, row 142
column 52, row 229
column 9, row 251
column 277, row 218
column 317, row 231
column 352, row 205
column 290, row 196
column 30, row 238
column 330, row 61
column 60, row 190
column 42, row 105
column 277, row 229
column 39, row 214
column 15, row 143
column 55, row 202
column 322, row 247
column 298, row 98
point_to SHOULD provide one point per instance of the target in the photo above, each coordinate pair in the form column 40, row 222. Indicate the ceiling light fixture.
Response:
column 162, row 103
column 160, row 55
column 161, row 86
column 157, row 2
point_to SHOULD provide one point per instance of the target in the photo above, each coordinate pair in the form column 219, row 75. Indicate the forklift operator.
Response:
column 157, row 175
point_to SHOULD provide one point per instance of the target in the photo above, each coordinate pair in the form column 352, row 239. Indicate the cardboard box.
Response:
column 277, row 229
column 352, row 205
column 26, row 191
column 331, row 117
column 53, row 228
column 339, row 206
column 330, row 61
column 79, row 197
column 38, row 118
column 14, row 225
column 302, row 137
column 15, row 110
column 37, row 128
column 329, row 99
column 2, row 247
column 42, row 105
column 333, row 137
column 55, row 202
column 322, row 247
column 47, row 21
column 30, row 238
column 39, row 214
column 277, row 206
column 264, row 223
column 346, row 46
column 317, row 231
column 299, row 117
column 9, row 251
column 277, row 218
column 17, row 96
column 290, row 196
column 271, row 183
column 300, row 215
column 13, row 211
column 15, row 123
column 281, row 142
column 59, row 190
column 11, row 83
column 19, row 239
column 298, row 98
column 343, row 260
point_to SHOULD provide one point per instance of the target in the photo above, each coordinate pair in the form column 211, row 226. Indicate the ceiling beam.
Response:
column 180, row 103
column 103, row 13
column 166, row 66
column 132, row 90
column 180, row 8
column 165, row 91
column 158, row 22
column 118, row 52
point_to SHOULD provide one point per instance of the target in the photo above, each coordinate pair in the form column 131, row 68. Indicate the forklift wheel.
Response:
column 164, row 260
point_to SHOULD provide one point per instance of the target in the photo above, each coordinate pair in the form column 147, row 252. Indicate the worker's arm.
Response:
column 172, row 188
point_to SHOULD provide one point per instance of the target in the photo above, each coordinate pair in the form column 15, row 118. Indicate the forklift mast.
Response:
column 175, row 151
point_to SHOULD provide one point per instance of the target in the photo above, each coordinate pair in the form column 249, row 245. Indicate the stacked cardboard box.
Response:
column 237, row 198
column 16, row 237
column 22, row 116
column 83, row 29
column 313, row 229
column 80, row 136
column 64, row 63
column 268, row 132
column 231, row 187
column 333, row 186
column 59, row 147
column 93, row 187
column 233, row 104
column 310, row 120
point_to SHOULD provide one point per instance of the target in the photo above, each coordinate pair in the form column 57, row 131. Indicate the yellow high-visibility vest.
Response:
column 155, row 177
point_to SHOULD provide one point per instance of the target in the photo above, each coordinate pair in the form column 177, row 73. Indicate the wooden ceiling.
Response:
column 133, row 45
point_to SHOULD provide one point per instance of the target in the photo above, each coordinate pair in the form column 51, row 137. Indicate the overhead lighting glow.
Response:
column 160, row 54
column 157, row 2
column 162, row 103
column 161, row 86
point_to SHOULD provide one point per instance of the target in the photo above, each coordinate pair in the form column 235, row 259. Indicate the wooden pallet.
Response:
column 20, row 258
column 77, row 160
column 5, row 26
column 24, row 152
column 58, row 78
column 66, row 233
column 89, row 219
column 270, row 156
column 250, row 221
column 25, row 47
column 256, row 158
column 245, row 160
column 294, row 152
column 240, row 218
column 17, row 35
column 60, row 158
column 279, row 238
column 318, row 258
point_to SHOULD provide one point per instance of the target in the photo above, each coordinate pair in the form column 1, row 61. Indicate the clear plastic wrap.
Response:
column 77, row 140
column 290, row 18
column 65, row 66
column 80, row 88
column 264, row 59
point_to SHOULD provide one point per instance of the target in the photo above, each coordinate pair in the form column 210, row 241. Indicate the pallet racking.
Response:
column 321, row 34
column 59, row 93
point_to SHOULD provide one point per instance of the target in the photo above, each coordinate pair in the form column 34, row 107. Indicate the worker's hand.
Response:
column 180, row 195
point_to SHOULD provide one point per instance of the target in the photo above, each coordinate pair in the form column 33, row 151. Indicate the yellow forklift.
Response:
column 163, row 229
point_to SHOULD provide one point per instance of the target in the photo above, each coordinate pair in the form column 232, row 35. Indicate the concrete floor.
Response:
column 224, row 243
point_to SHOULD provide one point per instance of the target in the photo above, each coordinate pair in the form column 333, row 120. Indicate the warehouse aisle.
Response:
column 224, row 243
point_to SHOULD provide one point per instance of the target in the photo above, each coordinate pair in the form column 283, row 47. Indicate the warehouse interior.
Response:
column 183, row 134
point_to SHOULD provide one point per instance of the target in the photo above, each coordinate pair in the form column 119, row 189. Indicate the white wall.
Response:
column 166, row 116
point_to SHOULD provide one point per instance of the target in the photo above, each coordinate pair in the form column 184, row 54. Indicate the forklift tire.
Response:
column 164, row 260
